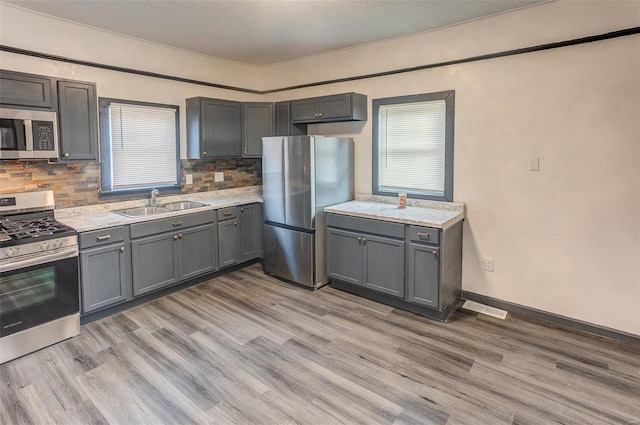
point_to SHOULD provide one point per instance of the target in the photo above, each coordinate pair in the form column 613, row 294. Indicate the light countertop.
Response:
column 441, row 215
column 94, row 217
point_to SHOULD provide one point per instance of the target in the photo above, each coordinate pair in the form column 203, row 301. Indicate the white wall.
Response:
column 26, row 30
column 565, row 239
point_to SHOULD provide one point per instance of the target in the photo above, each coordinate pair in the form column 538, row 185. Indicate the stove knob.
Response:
column 57, row 243
column 10, row 252
column 44, row 245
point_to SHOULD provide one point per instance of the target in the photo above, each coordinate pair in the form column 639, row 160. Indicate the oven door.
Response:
column 36, row 291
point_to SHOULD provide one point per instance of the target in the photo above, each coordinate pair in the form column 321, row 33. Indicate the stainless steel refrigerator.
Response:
column 300, row 176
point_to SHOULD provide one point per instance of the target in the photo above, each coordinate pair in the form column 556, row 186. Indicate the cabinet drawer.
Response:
column 102, row 237
column 424, row 234
column 171, row 223
column 366, row 225
column 226, row 213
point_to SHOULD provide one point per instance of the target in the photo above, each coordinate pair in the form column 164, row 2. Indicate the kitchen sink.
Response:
column 142, row 211
column 182, row 205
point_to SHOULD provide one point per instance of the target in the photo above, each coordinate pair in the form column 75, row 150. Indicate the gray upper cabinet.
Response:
column 18, row 89
column 283, row 124
column 339, row 107
column 78, row 116
column 257, row 122
column 214, row 128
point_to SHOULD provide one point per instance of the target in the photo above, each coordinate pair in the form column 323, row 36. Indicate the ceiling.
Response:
column 267, row 32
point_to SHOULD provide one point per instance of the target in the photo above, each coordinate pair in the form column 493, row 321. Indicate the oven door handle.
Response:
column 40, row 259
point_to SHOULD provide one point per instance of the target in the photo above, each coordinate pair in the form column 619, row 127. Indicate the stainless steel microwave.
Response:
column 28, row 134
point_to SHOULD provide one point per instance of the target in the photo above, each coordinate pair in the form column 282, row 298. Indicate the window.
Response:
column 413, row 146
column 139, row 146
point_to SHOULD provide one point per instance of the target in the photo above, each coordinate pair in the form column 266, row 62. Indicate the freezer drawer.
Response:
column 289, row 254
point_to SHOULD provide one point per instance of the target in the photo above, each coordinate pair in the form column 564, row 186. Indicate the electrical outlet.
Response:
column 188, row 178
column 487, row 264
column 534, row 164
column 219, row 176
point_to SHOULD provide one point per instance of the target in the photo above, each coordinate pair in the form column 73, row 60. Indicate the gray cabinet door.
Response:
column 250, row 230
column 228, row 235
column 384, row 264
column 198, row 252
column 423, row 278
column 257, row 122
column 335, row 106
column 155, row 262
column 221, row 129
column 304, row 110
column 283, row 124
column 104, row 276
column 344, row 256
column 77, row 112
column 20, row 89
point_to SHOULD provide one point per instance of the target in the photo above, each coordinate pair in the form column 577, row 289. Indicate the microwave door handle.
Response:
column 28, row 135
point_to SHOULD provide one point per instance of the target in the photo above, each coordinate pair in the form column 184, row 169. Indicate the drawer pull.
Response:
column 103, row 237
column 227, row 213
column 176, row 223
column 426, row 235
column 121, row 249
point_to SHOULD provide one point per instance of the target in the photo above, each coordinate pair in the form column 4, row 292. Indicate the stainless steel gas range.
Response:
column 39, row 291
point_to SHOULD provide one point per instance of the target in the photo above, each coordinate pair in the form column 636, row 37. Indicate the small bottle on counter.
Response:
column 402, row 200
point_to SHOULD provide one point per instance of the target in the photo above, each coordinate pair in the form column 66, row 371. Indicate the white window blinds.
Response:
column 412, row 147
column 143, row 146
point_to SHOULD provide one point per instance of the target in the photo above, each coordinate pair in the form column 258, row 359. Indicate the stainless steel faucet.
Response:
column 154, row 194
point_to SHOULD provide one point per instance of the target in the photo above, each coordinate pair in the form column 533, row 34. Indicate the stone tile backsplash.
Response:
column 78, row 183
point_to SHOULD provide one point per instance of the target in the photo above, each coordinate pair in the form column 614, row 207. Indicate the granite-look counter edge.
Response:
column 422, row 214
column 95, row 217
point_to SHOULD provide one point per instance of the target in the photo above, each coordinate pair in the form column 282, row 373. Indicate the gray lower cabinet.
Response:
column 416, row 266
column 169, row 250
column 423, row 283
column 371, row 261
column 257, row 122
column 78, row 116
column 105, row 268
column 250, row 221
column 166, row 259
column 228, row 236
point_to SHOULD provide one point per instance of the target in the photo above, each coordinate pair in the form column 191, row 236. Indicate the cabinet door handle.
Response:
column 364, row 241
column 426, row 235
column 204, row 153
column 175, row 237
column 434, row 252
column 359, row 239
column 121, row 249
column 227, row 213
column 235, row 223
column 241, row 209
column 66, row 154
column 102, row 237
column 180, row 235
column 176, row 223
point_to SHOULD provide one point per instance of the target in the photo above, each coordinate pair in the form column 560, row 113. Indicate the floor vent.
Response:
column 485, row 309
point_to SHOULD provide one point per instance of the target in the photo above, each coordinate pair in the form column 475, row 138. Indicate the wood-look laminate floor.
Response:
column 248, row 349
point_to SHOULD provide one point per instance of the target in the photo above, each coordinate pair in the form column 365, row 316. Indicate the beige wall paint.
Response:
column 565, row 239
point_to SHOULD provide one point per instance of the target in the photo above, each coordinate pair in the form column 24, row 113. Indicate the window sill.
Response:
column 141, row 193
